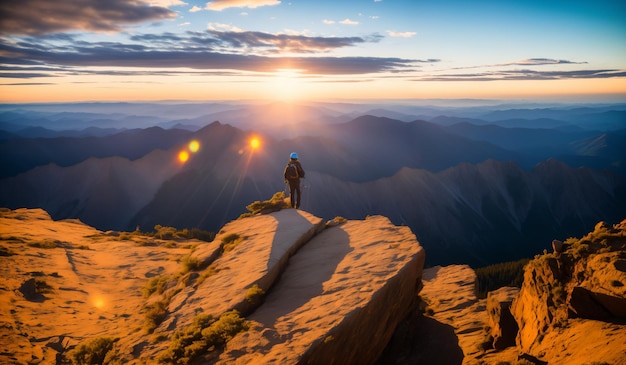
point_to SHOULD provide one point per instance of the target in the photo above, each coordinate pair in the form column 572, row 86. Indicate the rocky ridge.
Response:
column 284, row 287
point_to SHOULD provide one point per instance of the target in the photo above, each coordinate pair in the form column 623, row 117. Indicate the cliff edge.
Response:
column 284, row 287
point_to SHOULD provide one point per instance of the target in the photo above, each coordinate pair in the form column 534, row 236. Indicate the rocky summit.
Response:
column 286, row 287
column 283, row 288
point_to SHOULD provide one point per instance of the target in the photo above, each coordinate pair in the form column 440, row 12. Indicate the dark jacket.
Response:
column 298, row 168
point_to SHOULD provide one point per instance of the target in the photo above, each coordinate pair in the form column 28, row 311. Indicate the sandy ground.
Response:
column 94, row 283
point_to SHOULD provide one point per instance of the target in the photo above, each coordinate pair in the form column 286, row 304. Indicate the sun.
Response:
column 255, row 143
column 286, row 85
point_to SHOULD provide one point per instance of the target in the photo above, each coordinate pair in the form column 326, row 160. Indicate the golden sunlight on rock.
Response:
column 99, row 301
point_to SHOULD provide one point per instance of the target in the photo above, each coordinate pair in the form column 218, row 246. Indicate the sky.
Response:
column 317, row 50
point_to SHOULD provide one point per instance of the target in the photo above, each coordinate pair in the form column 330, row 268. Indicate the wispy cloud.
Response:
column 209, row 50
column 219, row 5
column 526, row 75
column 540, row 62
column 283, row 43
column 195, row 9
column 526, row 62
column 401, row 34
column 326, row 21
column 165, row 3
column 38, row 17
column 348, row 21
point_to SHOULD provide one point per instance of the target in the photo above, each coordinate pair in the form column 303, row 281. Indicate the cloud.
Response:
column 210, row 50
column 284, row 43
column 527, row 75
column 541, row 62
column 326, row 21
column 219, row 5
column 349, row 22
column 165, row 3
column 195, row 9
column 39, row 17
column 401, row 34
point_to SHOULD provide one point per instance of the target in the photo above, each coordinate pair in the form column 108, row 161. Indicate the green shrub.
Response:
column 190, row 264
column 92, row 352
column 171, row 233
column 276, row 203
column 203, row 336
column 230, row 241
column 155, row 315
column 155, row 285
column 254, row 293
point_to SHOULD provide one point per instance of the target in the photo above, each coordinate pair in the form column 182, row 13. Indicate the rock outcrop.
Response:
column 503, row 327
column 578, row 292
column 279, row 288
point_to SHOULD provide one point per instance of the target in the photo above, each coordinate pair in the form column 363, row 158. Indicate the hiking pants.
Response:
column 294, row 192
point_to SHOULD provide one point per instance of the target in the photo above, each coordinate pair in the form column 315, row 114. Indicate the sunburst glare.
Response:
column 194, row 146
column 183, row 156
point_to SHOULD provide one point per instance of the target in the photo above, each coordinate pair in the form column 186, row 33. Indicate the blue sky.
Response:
column 228, row 49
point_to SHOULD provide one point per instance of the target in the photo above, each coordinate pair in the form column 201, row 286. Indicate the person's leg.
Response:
column 292, row 189
column 298, row 194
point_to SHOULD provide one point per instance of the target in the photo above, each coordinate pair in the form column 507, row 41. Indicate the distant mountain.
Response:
column 463, row 205
column 18, row 155
column 593, row 149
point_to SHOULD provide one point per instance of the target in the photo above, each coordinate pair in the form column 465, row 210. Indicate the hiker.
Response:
column 293, row 173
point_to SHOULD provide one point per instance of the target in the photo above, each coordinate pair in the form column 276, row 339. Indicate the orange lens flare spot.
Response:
column 255, row 142
column 183, row 156
column 194, row 146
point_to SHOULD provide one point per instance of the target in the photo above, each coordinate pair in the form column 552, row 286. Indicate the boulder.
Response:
column 503, row 327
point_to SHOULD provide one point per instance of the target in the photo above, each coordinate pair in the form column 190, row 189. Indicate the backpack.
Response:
column 292, row 172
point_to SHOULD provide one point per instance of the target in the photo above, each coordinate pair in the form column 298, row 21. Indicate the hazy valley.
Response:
column 476, row 184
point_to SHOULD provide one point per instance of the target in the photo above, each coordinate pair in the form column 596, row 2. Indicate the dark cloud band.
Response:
column 39, row 17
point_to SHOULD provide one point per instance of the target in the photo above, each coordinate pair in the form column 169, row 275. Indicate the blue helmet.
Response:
column 293, row 156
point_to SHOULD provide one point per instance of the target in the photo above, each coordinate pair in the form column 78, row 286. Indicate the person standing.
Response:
column 293, row 173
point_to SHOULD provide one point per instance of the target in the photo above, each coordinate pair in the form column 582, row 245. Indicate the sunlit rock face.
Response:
column 304, row 291
column 571, row 304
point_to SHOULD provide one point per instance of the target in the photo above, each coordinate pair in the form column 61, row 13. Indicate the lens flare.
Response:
column 183, row 156
column 255, row 143
column 194, row 146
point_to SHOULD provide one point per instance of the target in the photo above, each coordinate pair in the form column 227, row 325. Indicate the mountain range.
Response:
column 473, row 189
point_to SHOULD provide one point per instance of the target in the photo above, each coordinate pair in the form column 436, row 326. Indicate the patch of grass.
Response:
column 189, row 264
column 171, row 233
column 92, row 352
column 155, row 285
column 155, row 315
column 205, row 335
column 210, row 271
column 229, row 242
column 254, row 294
column 276, row 203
